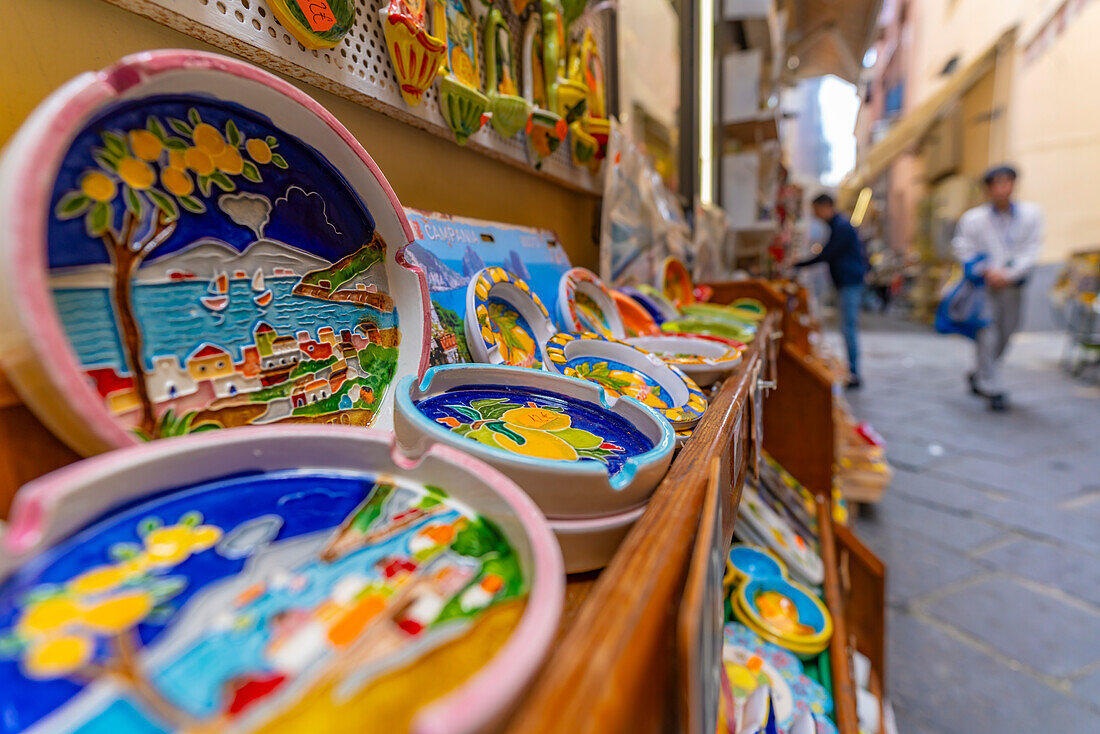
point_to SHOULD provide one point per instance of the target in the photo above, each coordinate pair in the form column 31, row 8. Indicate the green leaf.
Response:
column 180, row 126
column 105, row 159
column 466, row 412
column 502, row 428
column 11, row 645
column 232, row 134
column 164, row 203
column 193, row 205
column 204, row 185
column 271, row 141
column 205, row 427
column 251, row 172
column 193, row 116
column 115, row 143
column 167, row 587
column 124, row 551
column 99, row 218
column 151, row 523
column 72, row 205
column 278, row 160
column 222, row 181
column 153, row 125
column 134, row 201
column 175, row 144
column 41, row 593
column 191, row 519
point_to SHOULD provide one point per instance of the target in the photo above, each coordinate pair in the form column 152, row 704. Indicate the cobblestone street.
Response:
column 991, row 536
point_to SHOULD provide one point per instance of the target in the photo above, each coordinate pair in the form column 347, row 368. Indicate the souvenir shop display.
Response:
column 703, row 360
column 546, row 129
column 316, row 24
column 415, row 53
column 508, row 111
column 586, row 304
column 760, row 523
column 189, row 243
column 623, row 369
column 460, row 97
column 278, row 579
column 505, row 322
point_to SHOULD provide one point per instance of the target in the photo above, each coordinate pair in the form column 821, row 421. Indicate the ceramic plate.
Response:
column 506, row 322
column 663, row 305
column 623, row 369
column 764, row 522
column 636, row 320
column 702, row 360
column 656, row 311
column 675, row 283
column 785, row 612
column 732, row 343
column 578, row 451
column 585, row 304
column 746, row 561
column 711, row 327
column 189, row 242
column 724, row 313
column 288, row 578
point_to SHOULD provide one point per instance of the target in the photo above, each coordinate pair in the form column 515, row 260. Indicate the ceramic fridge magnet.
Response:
column 545, row 128
column 763, row 522
column 586, row 304
column 507, row 109
column 702, row 360
column 189, row 242
column 675, row 283
column 593, row 130
column 415, row 53
column 636, row 320
column 622, row 369
column 283, row 579
column 505, row 322
column 460, row 96
column 316, row 24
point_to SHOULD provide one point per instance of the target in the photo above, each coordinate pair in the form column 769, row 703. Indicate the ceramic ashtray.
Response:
column 623, row 369
column 705, row 326
column 702, row 360
column 589, row 543
column 654, row 301
column 747, row 316
column 674, row 281
column 293, row 577
column 575, row 449
column 785, row 613
column 585, row 304
column 188, row 242
column 506, row 323
column 746, row 561
column 762, row 523
column 636, row 320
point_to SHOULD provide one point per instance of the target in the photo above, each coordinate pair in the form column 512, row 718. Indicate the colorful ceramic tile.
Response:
column 315, row 24
column 506, row 323
column 585, row 304
column 204, row 266
column 415, row 53
column 274, row 599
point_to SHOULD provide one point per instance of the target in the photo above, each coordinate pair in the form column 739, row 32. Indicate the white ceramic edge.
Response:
column 595, row 290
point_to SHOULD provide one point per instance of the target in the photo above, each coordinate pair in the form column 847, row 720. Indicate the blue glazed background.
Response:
column 586, row 416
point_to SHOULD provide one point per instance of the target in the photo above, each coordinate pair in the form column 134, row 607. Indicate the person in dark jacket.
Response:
column 847, row 266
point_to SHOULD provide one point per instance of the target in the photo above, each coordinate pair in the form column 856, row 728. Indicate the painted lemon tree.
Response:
column 530, row 430
column 130, row 164
column 517, row 347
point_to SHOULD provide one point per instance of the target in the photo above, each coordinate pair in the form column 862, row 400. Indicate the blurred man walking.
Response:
column 1009, row 235
column 847, row 267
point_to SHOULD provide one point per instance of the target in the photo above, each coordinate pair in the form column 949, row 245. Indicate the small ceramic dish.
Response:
column 765, row 523
column 723, row 313
column 585, row 304
column 702, row 360
column 656, row 298
column 786, row 611
column 674, row 282
column 636, row 320
column 575, row 449
column 711, row 327
column 506, row 322
column 623, row 369
column 263, row 576
column 749, row 305
column 588, row 543
column 732, row 343
column 746, row 561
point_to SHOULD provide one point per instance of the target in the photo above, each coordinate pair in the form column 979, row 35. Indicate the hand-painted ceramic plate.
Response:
column 736, row 314
column 749, row 561
column 188, row 242
column 287, row 578
column 585, row 304
column 675, row 283
column 702, row 360
column 711, row 327
column 732, row 343
column 784, row 612
column 636, row 320
column 762, row 521
column 506, row 323
column 576, row 450
column 652, row 298
column 315, row 24
column 623, row 369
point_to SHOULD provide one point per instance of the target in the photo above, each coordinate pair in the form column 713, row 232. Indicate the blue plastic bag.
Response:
column 962, row 310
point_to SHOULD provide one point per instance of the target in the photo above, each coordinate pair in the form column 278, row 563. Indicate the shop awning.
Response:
column 914, row 124
column 830, row 36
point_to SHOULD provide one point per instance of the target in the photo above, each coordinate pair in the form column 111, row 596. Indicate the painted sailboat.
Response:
column 263, row 294
column 217, row 297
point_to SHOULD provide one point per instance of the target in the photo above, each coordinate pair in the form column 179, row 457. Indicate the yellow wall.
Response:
column 45, row 43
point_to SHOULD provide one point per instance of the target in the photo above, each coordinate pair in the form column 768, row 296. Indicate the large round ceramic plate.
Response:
column 622, row 369
column 585, row 304
column 703, row 360
column 283, row 579
column 506, row 322
column 578, row 451
column 188, row 242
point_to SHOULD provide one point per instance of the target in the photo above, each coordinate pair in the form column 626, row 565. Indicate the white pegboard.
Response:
column 359, row 67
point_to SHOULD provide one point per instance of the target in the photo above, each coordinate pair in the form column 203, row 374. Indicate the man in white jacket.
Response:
column 1009, row 234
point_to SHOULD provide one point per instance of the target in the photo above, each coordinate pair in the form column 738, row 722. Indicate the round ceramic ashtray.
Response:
column 674, row 281
column 736, row 331
column 506, row 323
column 623, row 369
column 636, row 320
column 585, row 304
column 747, row 561
column 765, row 524
column 658, row 310
column 702, row 360
column 719, row 312
column 274, row 577
column 588, row 543
column 574, row 448
column 188, row 242
column 785, row 613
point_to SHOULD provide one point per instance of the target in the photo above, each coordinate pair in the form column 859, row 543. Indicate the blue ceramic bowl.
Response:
column 750, row 562
column 811, row 611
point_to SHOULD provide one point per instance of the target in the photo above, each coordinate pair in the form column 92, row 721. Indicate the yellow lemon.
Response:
column 229, row 161
column 463, row 68
column 205, row 536
column 539, row 445
column 138, row 174
column 118, row 612
column 98, row 186
column 259, row 150
column 540, row 418
column 175, row 159
column 176, row 181
column 199, row 161
column 100, row 578
column 47, row 615
column 169, row 544
column 145, row 145
column 57, row 656
column 208, row 138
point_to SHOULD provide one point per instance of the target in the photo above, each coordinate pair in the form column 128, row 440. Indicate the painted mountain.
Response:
column 440, row 276
column 471, row 262
column 513, row 263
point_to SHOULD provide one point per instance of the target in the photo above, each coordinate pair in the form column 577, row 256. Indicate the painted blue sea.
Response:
column 174, row 322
